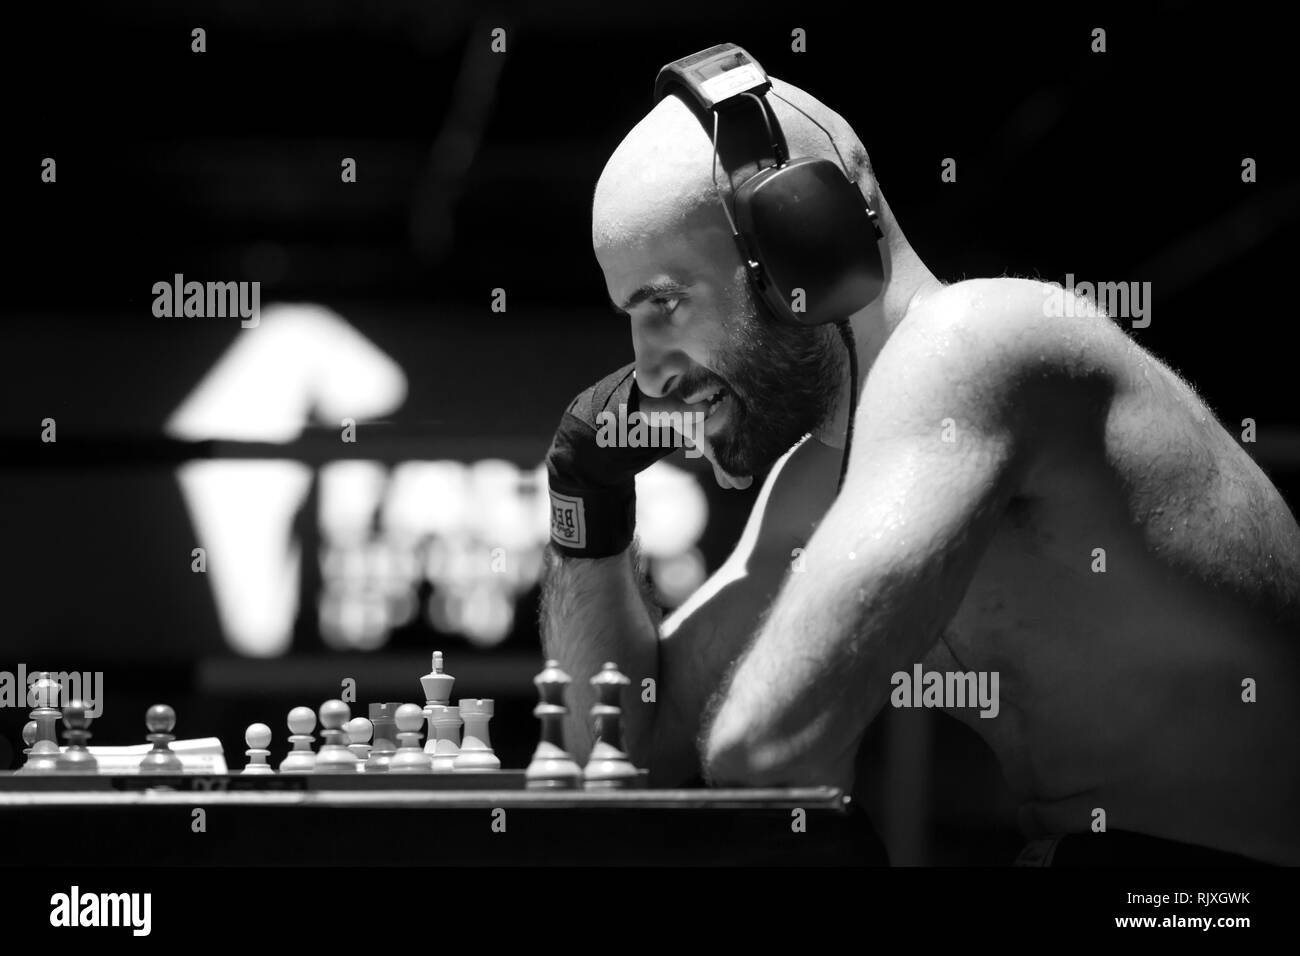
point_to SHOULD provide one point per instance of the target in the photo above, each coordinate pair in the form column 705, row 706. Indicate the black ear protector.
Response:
column 807, row 236
column 805, row 233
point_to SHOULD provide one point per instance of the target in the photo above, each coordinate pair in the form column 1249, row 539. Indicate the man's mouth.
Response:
column 715, row 401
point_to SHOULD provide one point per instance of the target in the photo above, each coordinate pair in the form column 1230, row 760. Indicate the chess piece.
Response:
column 446, row 724
column 409, row 757
column 359, row 730
column 30, row 731
column 476, row 747
column 437, row 693
column 301, row 758
column 551, row 768
column 334, row 756
column 161, row 721
column 381, row 718
column 44, row 695
column 608, row 767
column 258, row 738
column 77, row 759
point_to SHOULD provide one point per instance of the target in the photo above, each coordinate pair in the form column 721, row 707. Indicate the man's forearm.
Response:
column 595, row 610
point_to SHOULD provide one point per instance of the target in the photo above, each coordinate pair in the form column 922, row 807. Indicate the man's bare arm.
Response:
column 891, row 562
column 595, row 610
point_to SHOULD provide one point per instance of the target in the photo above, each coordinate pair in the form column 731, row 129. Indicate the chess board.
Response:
column 12, row 782
column 343, row 800
column 457, row 819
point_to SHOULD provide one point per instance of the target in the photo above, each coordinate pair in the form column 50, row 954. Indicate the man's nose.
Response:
column 659, row 363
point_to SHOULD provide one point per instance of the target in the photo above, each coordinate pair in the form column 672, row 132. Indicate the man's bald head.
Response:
column 660, row 176
column 670, row 264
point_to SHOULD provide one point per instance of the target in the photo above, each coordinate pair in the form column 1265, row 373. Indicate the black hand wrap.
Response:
column 593, row 482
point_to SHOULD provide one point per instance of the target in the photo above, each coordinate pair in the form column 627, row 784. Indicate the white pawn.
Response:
column 409, row 757
column 334, row 756
column 476, row 747
column 258, row 737
column 301, row 759
column 359, row 730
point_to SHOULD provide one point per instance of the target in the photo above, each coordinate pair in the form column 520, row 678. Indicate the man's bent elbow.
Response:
column 733, row 757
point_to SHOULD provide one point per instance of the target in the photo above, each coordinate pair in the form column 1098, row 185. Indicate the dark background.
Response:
column 475, row 171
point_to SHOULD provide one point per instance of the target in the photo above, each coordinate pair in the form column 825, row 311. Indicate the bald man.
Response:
column 1030, row 498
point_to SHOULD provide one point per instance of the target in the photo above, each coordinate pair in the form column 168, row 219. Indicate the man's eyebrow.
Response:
column 650, row 290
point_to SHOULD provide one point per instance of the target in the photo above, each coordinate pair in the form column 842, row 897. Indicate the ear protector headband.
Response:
column 805, row 233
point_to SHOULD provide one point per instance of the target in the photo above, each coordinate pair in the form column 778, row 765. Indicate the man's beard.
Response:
column 784, row 381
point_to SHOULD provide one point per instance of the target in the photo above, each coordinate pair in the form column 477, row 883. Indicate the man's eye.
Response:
column 668, row 303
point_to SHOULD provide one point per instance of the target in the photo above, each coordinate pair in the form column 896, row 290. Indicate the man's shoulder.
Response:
column 980, row 344
column 1008, row 320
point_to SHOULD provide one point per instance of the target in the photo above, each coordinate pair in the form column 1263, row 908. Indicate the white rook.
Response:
column 476, row 746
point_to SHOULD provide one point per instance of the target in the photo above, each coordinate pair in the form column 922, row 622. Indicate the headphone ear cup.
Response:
column 808, row 229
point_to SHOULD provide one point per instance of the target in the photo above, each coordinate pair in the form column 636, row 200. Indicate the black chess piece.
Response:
column 161, row 720
column 608, row 768
column 76, row 723
column 552, row 768
column 44, row 754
